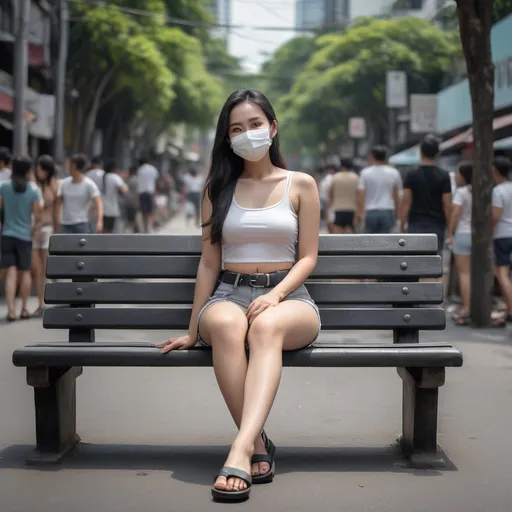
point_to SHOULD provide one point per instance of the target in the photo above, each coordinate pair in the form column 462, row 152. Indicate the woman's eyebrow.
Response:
column 257, row 118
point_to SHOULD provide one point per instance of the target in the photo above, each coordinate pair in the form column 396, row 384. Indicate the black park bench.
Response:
column 109, row 270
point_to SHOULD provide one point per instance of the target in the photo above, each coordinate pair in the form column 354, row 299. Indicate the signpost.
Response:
column 356, row 131
column 396, row 97
column 423, row 113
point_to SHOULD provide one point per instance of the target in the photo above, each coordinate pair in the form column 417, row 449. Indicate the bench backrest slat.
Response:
column 191, row 244
column 333, row 267
column 183, row 293
column 178, row 318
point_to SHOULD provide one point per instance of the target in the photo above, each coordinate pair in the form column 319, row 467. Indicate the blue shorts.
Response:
column 502, row 252
column 379, row 222
column 242, row 296
column 462, row 244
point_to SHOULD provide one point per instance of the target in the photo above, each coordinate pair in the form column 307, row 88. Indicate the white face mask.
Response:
column 252, row 145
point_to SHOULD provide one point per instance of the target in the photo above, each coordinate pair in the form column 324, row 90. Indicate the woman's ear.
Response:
column 273, row 129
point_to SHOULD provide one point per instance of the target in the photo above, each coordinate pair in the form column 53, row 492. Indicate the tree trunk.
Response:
column 475, row 20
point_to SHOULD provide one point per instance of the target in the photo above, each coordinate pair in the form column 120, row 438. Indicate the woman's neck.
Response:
column 258, row 170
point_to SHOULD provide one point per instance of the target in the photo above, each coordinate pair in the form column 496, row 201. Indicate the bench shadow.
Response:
column 198, row 464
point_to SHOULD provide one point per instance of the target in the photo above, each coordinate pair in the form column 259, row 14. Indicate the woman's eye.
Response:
column 257, row 123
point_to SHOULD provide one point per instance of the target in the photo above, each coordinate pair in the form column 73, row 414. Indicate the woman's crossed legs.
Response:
column 249, row 388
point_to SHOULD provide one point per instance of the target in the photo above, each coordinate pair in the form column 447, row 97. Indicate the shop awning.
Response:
column 503, row 144
column 466, row 138
column 409, row 156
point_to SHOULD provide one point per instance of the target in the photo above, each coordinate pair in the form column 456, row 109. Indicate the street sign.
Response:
column 423, row 113
column 396, row 89
column 357, row 128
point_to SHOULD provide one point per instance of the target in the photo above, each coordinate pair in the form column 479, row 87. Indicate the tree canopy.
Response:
column 345, row 75
column 131, row 49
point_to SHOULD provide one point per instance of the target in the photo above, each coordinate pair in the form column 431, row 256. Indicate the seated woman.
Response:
column 260, row 243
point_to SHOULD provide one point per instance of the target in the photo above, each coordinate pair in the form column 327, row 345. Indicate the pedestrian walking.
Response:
column 147, row 175
column 502, row 222
column 132, row 201
column 460, row 237
column 343, row 198
column 324, row 187
column 47, row 183
column 95, row 173
column 112, row 186
column 260, row 243
column 379, row 193
column 194, row 182
column 5, row 174
column 21, row 201
column 427, row 198
column 76, row 195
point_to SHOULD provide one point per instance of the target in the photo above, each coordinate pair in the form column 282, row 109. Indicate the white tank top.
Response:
column 261, row 235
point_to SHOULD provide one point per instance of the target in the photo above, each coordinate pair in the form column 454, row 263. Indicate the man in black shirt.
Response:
column 427, row 197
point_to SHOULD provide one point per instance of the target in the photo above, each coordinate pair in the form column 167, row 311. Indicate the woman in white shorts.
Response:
column 47, row 183
column 460, row 233
column 260, row 243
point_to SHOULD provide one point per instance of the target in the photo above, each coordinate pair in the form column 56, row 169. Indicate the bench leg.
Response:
column 419, row 415
column 55, row 406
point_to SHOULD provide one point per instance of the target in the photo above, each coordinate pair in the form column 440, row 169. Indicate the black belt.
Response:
column 253, row 280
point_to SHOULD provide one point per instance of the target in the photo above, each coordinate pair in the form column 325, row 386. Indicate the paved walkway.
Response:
column 153, row 438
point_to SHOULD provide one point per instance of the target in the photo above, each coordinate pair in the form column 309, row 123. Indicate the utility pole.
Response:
column 60, row 82
column 21, row 77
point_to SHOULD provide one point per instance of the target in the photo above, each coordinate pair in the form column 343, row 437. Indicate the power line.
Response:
column 184, row 22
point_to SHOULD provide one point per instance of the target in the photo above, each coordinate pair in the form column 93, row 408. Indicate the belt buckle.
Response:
column 254, row 277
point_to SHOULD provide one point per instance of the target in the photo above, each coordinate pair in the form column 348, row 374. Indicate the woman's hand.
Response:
column 257, row 306
column 179, row 343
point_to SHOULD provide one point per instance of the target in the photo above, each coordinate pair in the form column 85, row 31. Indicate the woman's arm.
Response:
column 207, row 272
column 454, row 219
column 309, row 230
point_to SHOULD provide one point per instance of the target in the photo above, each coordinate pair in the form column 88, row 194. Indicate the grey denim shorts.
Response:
column 243, row 296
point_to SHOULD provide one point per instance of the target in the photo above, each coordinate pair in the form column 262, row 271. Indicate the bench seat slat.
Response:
column 178, row 318
column 183, row 293
column 95, row 354
column 191, row 244
column 61, row 267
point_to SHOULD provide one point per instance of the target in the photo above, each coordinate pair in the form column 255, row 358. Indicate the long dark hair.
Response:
column 466, row 171
column 226, row 167
column 21, row 166
column 109, row 167
column 48, row 165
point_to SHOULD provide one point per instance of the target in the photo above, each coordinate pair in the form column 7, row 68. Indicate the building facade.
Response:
column 221, row 11
column 315, row 14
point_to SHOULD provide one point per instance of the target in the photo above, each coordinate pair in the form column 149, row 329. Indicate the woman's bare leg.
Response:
column 463, row 264
column 288, row 326
column 39, row 257
column 11, row 283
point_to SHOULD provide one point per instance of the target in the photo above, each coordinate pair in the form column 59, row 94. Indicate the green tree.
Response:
column 346, row 76
column 157, row 69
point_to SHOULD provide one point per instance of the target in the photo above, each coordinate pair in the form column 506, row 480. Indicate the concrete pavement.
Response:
column 154, row 438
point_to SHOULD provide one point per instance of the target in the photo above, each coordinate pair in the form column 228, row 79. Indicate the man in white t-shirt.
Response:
column 379, row 193
column 147, row 176
column 75, row 196
column 502, row 222
column 95, row 173
column 5, row 174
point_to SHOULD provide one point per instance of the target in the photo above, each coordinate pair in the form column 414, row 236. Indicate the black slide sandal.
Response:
column 228, row 472
column 267, row 477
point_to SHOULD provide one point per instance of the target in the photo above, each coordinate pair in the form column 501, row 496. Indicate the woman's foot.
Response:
column 25, row 315
column 38, row 313
column 260, row 468
column 239, row 459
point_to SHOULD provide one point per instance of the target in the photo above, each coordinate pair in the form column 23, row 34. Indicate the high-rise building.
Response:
column 221, row 12
column 320, row 13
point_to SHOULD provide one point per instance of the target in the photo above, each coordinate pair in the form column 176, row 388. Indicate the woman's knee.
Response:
column 265, row 331
column 224, row 326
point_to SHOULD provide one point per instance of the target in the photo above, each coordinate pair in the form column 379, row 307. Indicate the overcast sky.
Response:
column 251, row 45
